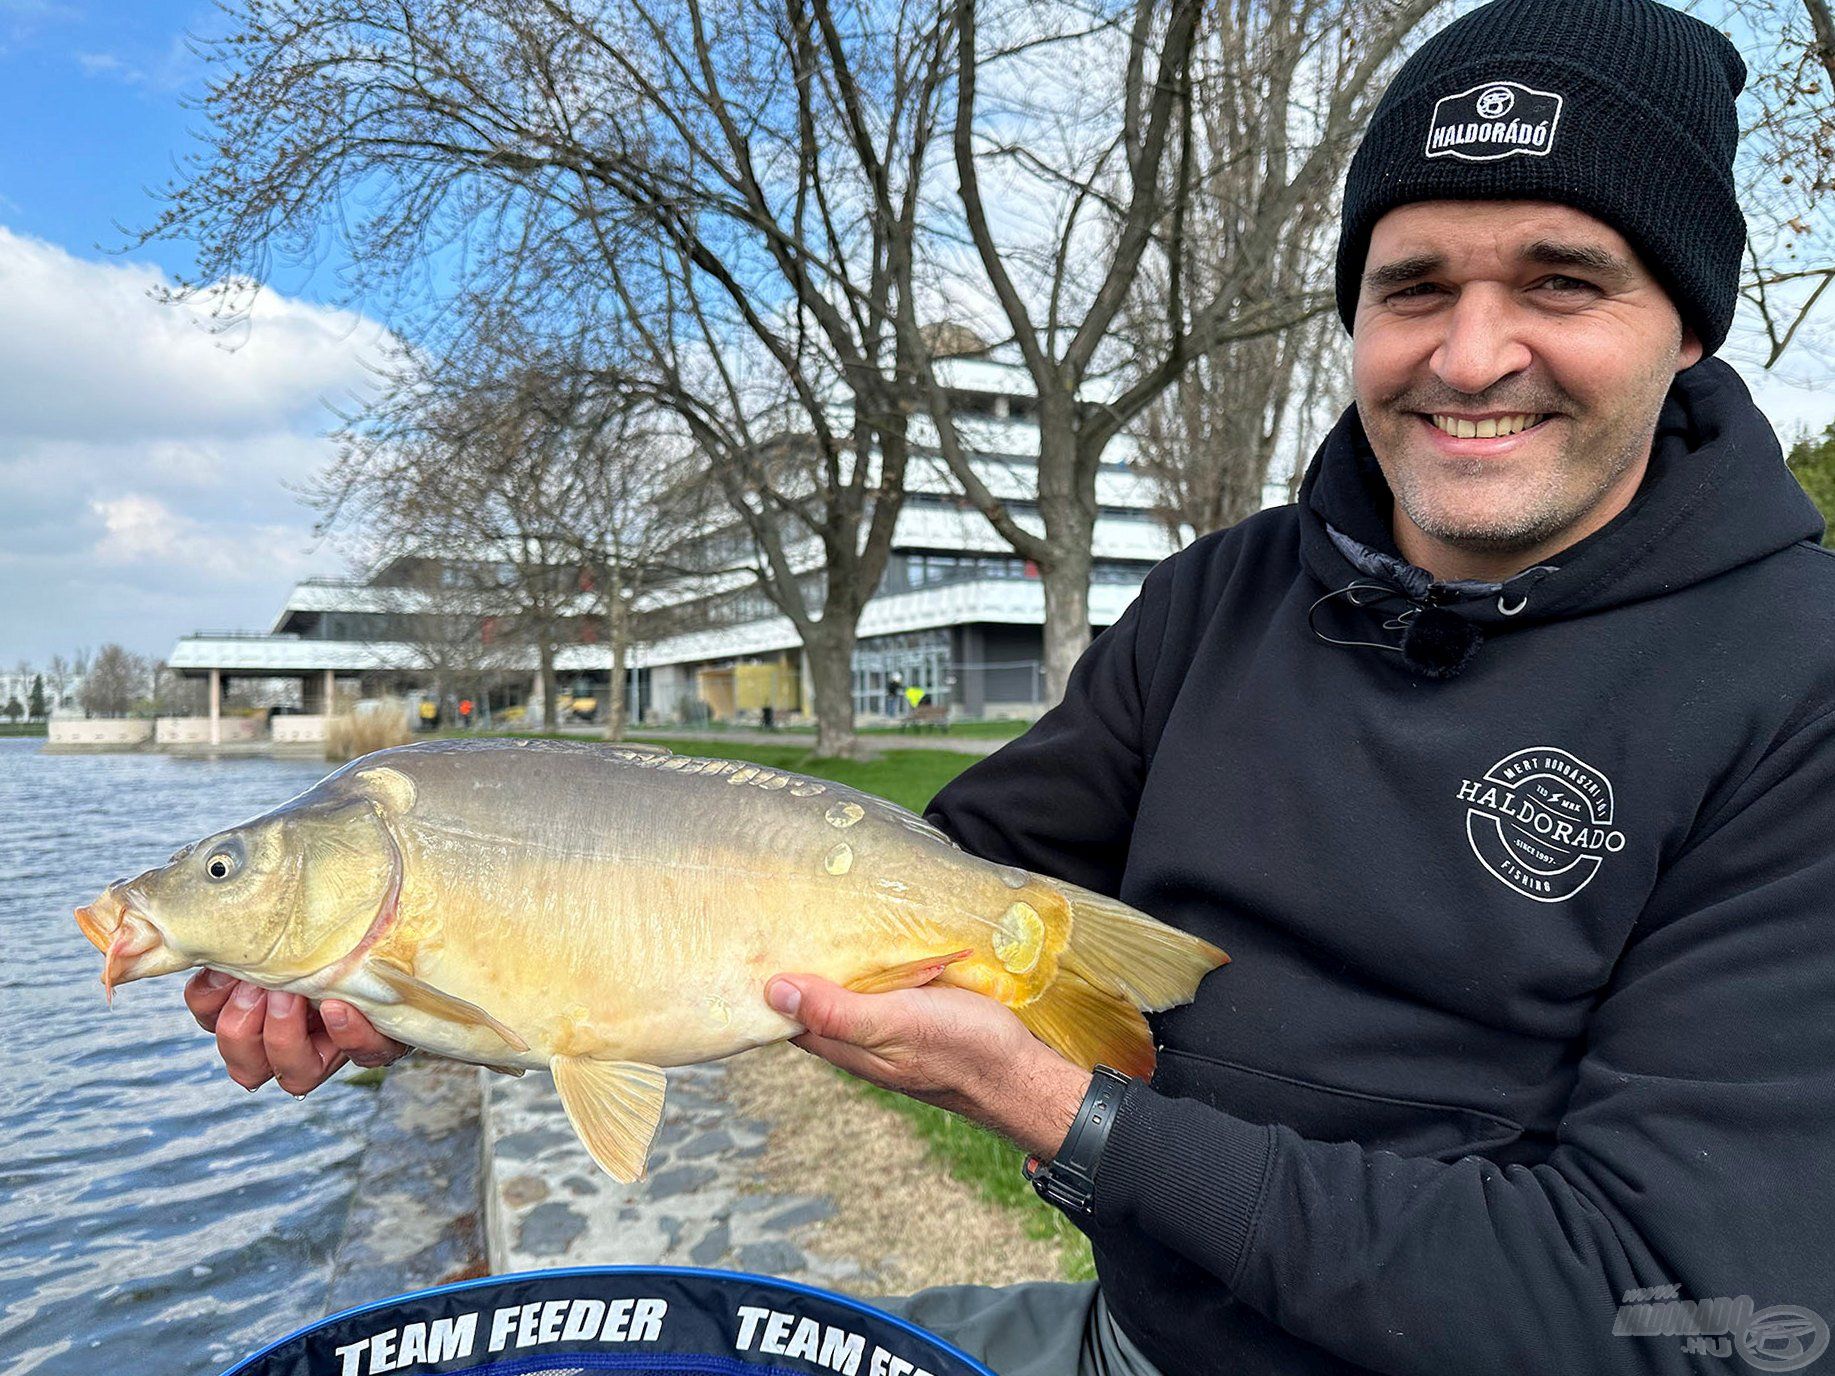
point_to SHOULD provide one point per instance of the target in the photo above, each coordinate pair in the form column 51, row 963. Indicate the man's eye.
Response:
column 1410, row 291
column 1572, row 283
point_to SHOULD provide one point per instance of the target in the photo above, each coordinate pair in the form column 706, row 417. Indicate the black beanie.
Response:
column 1619, row 108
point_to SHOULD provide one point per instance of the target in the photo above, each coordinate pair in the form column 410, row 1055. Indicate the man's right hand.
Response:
column 267, row 1035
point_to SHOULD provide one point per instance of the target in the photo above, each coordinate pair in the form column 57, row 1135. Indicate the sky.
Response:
column 148, row 468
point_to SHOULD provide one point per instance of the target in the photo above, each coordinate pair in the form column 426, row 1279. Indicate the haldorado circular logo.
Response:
column 1541, row 821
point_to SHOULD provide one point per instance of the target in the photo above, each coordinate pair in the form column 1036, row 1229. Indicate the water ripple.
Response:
column 153, row 1216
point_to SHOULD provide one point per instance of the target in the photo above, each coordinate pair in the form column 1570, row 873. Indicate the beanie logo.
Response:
column 1496, row 120
column 1540, row 820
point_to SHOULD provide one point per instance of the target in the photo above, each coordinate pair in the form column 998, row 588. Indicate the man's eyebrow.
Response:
column 1543, row 252
column 1587, row 257
column 1404, row 270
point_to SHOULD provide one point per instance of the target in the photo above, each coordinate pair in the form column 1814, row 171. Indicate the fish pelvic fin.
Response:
column 417, row 993
column 615, row 1107
column 1090, row 1026
column 909, row 975
column 1125, row 952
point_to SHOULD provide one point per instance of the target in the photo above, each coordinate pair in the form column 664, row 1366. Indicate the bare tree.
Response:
column 57, row 679
column 1210, row 440
column 736, row 183
column 1116, row 197
column 1786, row 164
column 116, row 682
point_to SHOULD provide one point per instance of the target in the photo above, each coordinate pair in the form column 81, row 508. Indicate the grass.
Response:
column 909, row 778
column 22, row 728
column 974, row 730
column 990, row 1167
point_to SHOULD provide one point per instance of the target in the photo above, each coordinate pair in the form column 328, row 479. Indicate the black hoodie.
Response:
column 1533, row 993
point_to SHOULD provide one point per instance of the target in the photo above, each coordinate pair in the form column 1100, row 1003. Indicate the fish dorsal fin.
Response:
column 910, row 975
column 417, row 993
column 615, row 1106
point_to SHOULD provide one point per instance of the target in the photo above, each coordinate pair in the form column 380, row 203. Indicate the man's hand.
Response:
column 949, row 1047
column 263, row 1034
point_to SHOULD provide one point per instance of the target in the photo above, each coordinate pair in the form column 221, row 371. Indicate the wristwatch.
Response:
column 1069, row 1180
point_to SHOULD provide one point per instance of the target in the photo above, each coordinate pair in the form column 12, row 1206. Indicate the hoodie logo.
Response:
column 1496, row 120
column 1541, row 821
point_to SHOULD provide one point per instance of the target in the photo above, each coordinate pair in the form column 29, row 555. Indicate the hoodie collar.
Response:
column 1716, row 495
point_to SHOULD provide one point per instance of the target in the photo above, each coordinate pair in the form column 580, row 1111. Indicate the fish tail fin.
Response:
column 1115, row 964
column 1128, row 954
column 1090, row 1026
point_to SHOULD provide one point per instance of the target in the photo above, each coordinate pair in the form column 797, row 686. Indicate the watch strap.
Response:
column 1068, row 1180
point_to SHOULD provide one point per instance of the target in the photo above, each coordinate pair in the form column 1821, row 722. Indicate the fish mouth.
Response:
column 132, row 946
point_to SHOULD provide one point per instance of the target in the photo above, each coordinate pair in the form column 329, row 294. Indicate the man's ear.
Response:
column 1691, row 351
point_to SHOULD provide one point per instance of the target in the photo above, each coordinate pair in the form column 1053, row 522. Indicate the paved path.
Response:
column 547, row 1204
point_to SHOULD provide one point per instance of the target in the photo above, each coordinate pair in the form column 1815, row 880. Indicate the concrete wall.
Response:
column 103, row 731
column 196, row 730
column 288, row 729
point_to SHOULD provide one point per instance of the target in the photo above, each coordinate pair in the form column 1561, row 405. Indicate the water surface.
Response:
column 154, row 1216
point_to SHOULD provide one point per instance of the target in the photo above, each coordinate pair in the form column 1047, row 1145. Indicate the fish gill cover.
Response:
column 612, row 1318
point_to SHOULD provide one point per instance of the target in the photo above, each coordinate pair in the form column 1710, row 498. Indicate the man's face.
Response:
column 1489, row 309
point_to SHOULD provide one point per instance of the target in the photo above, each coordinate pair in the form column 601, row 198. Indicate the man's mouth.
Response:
column 1475, row 437
column 1491, row 427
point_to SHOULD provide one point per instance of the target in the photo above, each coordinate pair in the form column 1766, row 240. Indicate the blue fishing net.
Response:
column 613, row 1318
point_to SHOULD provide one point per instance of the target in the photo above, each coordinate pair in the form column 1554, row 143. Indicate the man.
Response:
column 1502, row 766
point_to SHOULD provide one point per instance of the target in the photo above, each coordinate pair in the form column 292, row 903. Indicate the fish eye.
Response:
column 223, row 862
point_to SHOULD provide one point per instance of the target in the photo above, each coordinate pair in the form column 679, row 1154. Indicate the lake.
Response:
column 154, row 1216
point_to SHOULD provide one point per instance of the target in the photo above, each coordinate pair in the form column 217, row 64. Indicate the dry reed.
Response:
column 351, row 734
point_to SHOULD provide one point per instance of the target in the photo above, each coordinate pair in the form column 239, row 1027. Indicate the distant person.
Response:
column 767, row 717
column 430, row 715
column 895, row 695
column 465, row 710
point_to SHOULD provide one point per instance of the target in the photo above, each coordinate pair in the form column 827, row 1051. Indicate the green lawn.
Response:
column 22, row 728
column 909, row 778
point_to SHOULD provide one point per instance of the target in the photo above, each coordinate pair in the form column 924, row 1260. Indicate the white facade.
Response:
column 958, row 615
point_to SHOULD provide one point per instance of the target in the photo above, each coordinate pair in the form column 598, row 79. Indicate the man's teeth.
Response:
column 1484, row 429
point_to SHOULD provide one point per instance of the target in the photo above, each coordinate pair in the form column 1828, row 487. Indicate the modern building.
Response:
column 957, row 616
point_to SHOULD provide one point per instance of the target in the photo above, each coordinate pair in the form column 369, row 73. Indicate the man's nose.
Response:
column 1482, row 344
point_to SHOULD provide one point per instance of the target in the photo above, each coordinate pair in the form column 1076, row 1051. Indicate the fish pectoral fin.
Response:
column 615, row 1106
column 514, row 1071
column 910, row 975
column 417, row 993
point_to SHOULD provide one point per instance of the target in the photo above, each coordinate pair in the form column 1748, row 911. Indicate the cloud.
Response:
column 148, row 467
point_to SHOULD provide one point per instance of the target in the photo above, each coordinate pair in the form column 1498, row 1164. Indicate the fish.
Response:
column 602, row 912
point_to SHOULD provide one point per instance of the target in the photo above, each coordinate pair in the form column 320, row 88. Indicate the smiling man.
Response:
column 1503, row 764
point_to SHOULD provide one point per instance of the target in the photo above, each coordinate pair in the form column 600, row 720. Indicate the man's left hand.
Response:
column 958, row 1050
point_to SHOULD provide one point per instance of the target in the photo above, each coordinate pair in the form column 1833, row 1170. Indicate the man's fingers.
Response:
column 300, row 1061
column 827, row 1009
column 239, row 1036
column 205, row 994
column 356, row 1036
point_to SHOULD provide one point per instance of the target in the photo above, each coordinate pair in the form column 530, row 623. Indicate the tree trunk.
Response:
column 618, row 628
column 551, row 690
column 831, row 672
column 1067, row 616
column 1067, row 504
